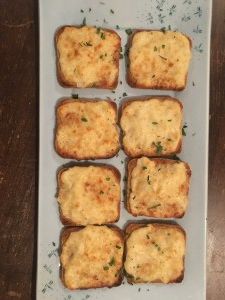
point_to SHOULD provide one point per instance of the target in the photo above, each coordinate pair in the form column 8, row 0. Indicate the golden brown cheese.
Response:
column 158, row 187
column 155, row 253
column 152, row 127
column 92, row 257
column 159, row 60
column 88, row 57
column 89, row 195
column 86, row 129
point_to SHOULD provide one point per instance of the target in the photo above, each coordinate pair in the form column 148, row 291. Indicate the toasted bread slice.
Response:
column 91, row 257
column 152, row 127
column 89, row 195
column 87, row 57
column 155, row 253
column 158, row 187
column 159, row 60
column 86, row 129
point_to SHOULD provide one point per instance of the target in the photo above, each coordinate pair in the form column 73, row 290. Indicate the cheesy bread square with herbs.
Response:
column 159, row 60
column 155, row 253
column 152, row 127
column 87, row 129
column 89, row 195
column 158, row 187
column 87, row 57
column 91, row 257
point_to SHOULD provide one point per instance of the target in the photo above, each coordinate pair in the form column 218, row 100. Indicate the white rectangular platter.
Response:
column 192, row 17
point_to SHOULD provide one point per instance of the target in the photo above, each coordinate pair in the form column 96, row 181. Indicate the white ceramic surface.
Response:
column 192, row 17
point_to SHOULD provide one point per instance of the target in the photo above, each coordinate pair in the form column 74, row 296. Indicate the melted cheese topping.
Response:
column 87, row 129
column 159, row 188
column 159, row 60
column 92, row 257
column 88, row 57
column 89, row 195
column 152, row 127
column 155, row 253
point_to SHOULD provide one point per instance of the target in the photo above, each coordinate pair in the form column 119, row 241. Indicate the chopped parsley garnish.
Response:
column 124, row 94
column 75, row 96
column 113, row 92
column 53, row 243
column 117, row 27
column 156, row 245
column 139, row 289
column 82, row 11
column 98, row 30
column 169, row 140
column 163, row 29
column 102, row 36
column 121, row 56
column 84, row 22
column 153, row 76
column 163, row 46
column 147, row 236
column 128, row 31
column 112, row 11
column 83, row 119
column 155, row 48
column 130, row 276
column 155, row 206
column 144, row 168
column 88, row 44
column 162, row 57
column 105, row 268
column 112, row 262
column 101, row 192
column 193, row 83
column 183, row 130
column 89, row 9
column 148, row 180
column 118, row 247
column 169, row 120
column 107, row 178
column 159, row 147
column 169, row 27
column 155, row 123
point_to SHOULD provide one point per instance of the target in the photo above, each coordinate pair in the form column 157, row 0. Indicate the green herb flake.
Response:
column 163, row 29
column 112, row 262
column 101, row 192
column 130, row 276
column 183, row 130
column 124, row 94
column 102, row 36
column 175, row 157
column 158, row 146
column 144, row 168
column 105, row 268
column 121, row 56
column 155, row 123
column 112, row 11
column 107, row 178
column 139, row 289
column 137, row 278
column 155, row 48
column 82, row 11
column 118, row 247
column 153, row 76
column 53, row 244
column 117, row 27
column 147, row 236
column 128, row 31
column 163, row 46
column 169, row 120
column 84, row 22
column 75, row 96
column 98, row 30
column 89, row 9
column 148, row 180
column 83, row 119
column 162, row 57
column 88, row 44
column 155, row 206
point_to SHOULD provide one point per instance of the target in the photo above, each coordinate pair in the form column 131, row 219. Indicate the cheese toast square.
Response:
column 152, row 126
column 87, row 57
column 89, row 195
column 158, row 187
column 159, row 60
column 155, row 253
column 91, row 257
column 86, row 129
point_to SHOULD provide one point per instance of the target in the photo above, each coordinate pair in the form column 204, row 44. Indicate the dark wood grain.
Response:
column 19, row 151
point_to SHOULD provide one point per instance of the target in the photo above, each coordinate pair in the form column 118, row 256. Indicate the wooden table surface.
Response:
column 19, row 151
